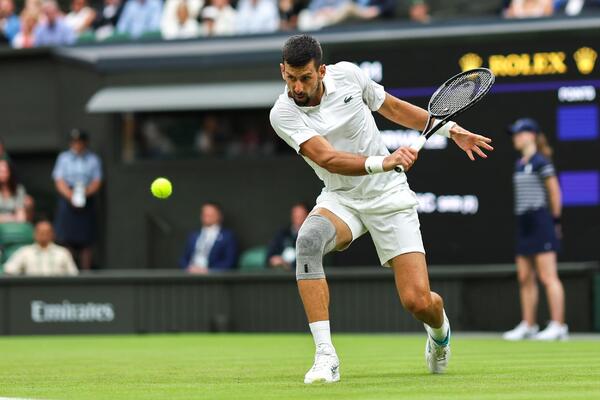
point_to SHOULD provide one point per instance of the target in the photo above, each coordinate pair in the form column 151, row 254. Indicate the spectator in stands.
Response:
column 10, row 23
column 26, row 36
column 576, row 7
column 169, row 14
column 382, row 8
column 3, row 153
column 211, row 138
column 184, row 27
column 425, row 10
column 282, row 249
column 530, row 9
column 52, row 29
column 12, row 195
column 81, row 17
column 218, row 19
column 288, row 14
column 140, row 17
column 34, row 6
column 106, row 18
column 43, row 258
column 78, row 177
column 257, row 16
column 212, row 248
column 322, row 13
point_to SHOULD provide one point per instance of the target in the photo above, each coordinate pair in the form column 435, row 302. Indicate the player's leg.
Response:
column 316, row 239
column 322, row 232
column 547, row 271
column 412, row 283
column 528, row 290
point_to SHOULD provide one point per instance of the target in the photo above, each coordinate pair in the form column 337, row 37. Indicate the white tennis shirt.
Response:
column 344, row 118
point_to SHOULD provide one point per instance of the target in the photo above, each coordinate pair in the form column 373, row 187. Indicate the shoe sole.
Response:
column 335, row 378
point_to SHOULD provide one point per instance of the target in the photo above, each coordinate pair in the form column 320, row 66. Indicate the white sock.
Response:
column 321, row 333
column 439, row 334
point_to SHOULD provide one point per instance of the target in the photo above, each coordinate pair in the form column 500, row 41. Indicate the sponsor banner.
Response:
column 70, row 309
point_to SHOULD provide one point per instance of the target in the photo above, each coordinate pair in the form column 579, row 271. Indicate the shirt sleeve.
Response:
column 546, row 168
column 289, row 126
column 14, row 265
column 69, row 264
column 372, row 92
column 59, row 170
column 96, row 168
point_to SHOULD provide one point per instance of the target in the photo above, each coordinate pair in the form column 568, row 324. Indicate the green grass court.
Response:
column 244, row 366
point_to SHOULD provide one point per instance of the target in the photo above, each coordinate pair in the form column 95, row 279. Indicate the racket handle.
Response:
column 417, row 145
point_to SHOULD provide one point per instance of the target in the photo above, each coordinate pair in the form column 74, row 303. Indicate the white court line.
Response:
column 17, row 398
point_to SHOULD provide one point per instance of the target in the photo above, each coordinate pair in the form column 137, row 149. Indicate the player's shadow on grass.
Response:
column 391, row 376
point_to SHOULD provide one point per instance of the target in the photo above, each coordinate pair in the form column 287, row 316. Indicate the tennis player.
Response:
column 325, row 114
column 538, row 209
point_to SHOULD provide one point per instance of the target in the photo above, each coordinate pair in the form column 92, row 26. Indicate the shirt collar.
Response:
column 40, row 248
column 82, row 155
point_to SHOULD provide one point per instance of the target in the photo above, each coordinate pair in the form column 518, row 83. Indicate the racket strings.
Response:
column 460, row 92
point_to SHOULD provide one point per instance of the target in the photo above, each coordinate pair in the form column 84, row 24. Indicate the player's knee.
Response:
column 549, row 279
column 417, row 303
column 526, row 278
column 315, row 238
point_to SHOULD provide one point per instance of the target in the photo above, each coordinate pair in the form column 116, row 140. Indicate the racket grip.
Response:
column 417, row 145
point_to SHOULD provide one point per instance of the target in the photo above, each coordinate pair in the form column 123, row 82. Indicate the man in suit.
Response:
column 212, row 248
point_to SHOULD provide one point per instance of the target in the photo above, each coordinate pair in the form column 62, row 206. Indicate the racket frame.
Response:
column 430, row 128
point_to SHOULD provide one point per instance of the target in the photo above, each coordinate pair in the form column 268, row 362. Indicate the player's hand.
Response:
column 558, row 231
column 197, row 270
column 404, row 156
column 469, row 142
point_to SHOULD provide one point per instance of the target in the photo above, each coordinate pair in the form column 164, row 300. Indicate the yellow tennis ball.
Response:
column 161, row 188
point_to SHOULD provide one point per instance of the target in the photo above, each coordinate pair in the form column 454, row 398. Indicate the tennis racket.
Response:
column 454, row 97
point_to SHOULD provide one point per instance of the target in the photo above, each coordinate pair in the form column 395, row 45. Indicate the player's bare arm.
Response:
column 320, row 151
column 406, row 114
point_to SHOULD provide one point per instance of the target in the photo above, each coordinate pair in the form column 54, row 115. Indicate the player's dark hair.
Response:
column 299, row 50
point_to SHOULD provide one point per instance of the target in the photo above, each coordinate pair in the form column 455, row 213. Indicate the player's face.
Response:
column 522, row 140
column 304, row 83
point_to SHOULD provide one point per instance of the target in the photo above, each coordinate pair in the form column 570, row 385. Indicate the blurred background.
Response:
column 183, row 88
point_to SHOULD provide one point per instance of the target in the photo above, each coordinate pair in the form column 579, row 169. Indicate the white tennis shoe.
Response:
column 521, row 332
column 437, row 355
column 326, row 367
column 554, row 331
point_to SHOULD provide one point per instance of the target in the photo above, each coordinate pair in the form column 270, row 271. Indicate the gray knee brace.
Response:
column 315, row 239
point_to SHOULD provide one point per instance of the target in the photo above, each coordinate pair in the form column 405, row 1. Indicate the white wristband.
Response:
column 374, row 164
column 445, row 130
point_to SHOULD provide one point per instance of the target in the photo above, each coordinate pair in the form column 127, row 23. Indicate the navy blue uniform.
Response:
column 535, row 225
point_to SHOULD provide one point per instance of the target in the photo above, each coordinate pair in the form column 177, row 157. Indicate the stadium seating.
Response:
column 14, row 235
column 253, row 259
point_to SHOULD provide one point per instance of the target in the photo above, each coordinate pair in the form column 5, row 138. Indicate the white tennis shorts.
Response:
column 391, row 219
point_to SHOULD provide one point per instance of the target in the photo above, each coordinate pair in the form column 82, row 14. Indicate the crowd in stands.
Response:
column 33, row 245
column 46, row 23
column 214, row 247
column 29, row 250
